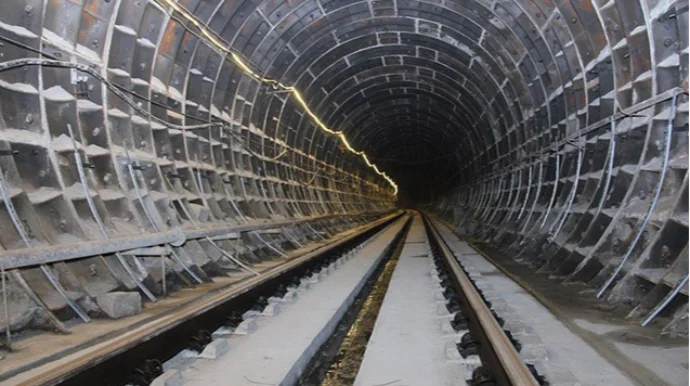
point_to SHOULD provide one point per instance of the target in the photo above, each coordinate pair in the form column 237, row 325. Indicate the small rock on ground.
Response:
column 118, row 305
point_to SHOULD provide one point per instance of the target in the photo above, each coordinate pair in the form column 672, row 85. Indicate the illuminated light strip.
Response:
column 275, row 84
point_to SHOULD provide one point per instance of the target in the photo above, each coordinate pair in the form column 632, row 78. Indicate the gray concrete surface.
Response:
column 566, row 351
column 668, row 362
column 118, row 305
column 407, row 346
column 282, row 345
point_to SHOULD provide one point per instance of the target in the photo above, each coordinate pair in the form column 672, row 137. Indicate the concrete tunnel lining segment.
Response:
column 539, row 126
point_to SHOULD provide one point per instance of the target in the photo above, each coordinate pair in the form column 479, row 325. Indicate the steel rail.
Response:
column 69, row 365
column 513, row 368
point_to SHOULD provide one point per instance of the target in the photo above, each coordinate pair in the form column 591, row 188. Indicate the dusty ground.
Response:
column 643, row 354
column 34, row 348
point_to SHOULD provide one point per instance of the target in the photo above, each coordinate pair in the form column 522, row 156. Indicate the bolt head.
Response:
column 685, row 85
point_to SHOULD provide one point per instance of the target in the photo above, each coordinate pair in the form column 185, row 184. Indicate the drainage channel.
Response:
column 339, row 358
column 140, row 364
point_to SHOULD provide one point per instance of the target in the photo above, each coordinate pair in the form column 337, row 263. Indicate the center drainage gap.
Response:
column 338, row 360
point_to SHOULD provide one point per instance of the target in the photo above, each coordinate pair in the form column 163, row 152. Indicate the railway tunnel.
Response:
column 153, row 145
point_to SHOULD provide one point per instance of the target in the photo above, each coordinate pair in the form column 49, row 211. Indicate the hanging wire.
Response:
column 249, row 69
column 122, row 92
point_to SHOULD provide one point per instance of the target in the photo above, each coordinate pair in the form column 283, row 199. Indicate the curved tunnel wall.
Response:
column 537, row 125
column 171, row 138
column 595, row 189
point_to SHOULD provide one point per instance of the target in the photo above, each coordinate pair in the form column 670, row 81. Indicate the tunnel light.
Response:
column 275, row 85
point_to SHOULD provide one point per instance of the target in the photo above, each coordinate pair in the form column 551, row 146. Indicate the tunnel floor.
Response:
column 644, row 353
column 407, row 338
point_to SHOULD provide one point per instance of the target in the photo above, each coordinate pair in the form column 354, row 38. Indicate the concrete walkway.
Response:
column 277, row 352
column 407, row 345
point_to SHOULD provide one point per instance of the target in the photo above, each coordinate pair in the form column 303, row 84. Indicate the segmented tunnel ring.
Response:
column 554, row 130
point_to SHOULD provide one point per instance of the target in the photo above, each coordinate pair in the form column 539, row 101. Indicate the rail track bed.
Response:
column 400, row 301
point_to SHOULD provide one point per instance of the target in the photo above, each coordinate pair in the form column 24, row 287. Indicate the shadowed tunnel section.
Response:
column 556, row 130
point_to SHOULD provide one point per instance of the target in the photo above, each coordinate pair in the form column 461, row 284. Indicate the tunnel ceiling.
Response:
column 436, row 92
column 423, row 87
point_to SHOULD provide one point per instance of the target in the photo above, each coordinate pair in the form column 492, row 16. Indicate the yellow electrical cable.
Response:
column 276, row 85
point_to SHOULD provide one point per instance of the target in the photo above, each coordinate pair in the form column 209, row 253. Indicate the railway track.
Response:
column 502, row 364
column 328, row 317
column 64, row 365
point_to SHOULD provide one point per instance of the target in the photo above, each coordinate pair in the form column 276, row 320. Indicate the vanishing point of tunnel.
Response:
column 149, row 145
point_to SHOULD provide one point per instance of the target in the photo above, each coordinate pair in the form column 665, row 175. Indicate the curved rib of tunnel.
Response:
column 554, row 130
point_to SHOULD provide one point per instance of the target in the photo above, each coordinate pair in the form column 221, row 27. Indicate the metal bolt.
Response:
column 668, row 42
column 96, row 131
column 29, row 118
column 29, row 9
column 685, row 85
